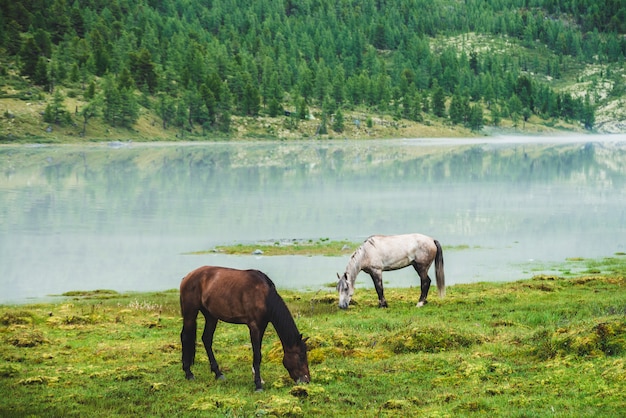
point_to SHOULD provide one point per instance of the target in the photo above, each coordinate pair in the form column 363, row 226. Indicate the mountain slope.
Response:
column 234, row 69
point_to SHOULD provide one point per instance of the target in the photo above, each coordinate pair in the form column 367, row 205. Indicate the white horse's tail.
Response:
column 441, row 278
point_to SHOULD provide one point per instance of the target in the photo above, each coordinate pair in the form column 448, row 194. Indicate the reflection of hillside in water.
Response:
column 146, row 179
column 264, row 161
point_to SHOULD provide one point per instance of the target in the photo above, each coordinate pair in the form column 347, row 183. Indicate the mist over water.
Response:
column 123, row 216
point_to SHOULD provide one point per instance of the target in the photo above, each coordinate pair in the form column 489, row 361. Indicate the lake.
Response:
column 124, row 216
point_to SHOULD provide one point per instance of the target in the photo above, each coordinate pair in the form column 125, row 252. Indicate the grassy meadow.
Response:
column 546, row 346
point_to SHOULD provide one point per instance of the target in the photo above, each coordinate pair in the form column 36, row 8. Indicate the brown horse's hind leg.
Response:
column 424, row 283
column 188, row 341
column 210, row 324
column 377, row 278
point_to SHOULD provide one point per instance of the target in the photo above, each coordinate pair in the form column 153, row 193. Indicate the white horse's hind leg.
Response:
column 422, row 272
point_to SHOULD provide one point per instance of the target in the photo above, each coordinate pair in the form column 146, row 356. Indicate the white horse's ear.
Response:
column 338, row 276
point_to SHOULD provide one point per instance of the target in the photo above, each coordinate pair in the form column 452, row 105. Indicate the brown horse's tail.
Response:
column 441, row 278
column 189, row 312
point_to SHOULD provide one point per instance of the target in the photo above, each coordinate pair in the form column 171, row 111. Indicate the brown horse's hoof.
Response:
column 220, row 377
column 259, row 390
column 190, row 376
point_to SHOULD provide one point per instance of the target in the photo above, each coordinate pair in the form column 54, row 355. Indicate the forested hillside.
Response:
column 202, row 68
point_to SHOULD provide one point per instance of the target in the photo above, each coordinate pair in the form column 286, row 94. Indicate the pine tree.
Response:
column 12, row 38
column 439, row 102
column 338, row 123
column 99, row 53
column 29, row 54
column 120, row 107
column 210, row 103
column 459, row 108
column 588, row 114
column 252, row 99
column 142, row 70
column 166, row 109
column 302, row 109
column 112, row 103
column 90, row 93
column 56, row 112
column 41, row 76
column 274, row 108
column 224, row 109
column 338, row 85
column 476, row 120
column 129, row 108
column 496, row 118
column 90, row 110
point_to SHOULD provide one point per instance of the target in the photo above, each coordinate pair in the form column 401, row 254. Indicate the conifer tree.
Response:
column 476, row 120
column 588, row 114
column 224, row 109
column 338, row 123
column 41, row 76
column 439, row 102
column 56, row 112
column 29, row 54
column 90, row 110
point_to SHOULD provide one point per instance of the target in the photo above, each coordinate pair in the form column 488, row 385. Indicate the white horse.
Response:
column 381, row 253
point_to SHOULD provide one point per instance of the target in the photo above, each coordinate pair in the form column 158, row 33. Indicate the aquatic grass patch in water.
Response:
column 577, row 266
column 92, row 294
column 319, row 247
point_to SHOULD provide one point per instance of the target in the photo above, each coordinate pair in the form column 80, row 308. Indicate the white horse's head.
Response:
column 345, row 289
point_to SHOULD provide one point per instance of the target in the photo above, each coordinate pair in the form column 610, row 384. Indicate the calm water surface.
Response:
column 123, row 216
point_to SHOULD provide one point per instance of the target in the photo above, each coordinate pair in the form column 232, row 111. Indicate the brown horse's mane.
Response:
column 280, row 317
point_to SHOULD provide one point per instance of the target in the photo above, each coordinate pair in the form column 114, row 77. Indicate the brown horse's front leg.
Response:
column 207, row 339
column 256, row 336
column 377, row 278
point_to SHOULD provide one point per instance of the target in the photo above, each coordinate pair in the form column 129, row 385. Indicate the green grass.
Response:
column 322, row 246
column 548, row 346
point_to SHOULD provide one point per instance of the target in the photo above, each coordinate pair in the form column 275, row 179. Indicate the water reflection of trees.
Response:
column 520, row 164
column 238, row 166
column 159, row 179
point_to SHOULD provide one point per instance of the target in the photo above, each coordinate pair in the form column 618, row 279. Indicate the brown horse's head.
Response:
column 296, row 362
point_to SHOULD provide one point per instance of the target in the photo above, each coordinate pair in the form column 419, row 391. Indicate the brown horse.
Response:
column 239, row 297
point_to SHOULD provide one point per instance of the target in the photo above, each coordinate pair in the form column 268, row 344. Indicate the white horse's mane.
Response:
column 354, row 265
